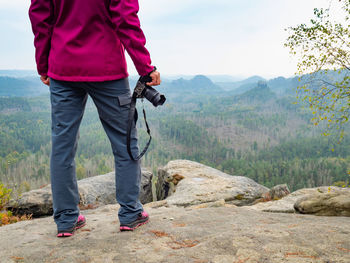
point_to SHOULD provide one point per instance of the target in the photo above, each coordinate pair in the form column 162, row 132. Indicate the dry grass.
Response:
column 6, row 218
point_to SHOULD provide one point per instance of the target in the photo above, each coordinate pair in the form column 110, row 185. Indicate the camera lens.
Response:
column 154, row 96
column 158, row 99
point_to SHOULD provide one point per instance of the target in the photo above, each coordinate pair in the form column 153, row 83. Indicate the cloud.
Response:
column 232, row 37
column 15, row 4
column 16, row 47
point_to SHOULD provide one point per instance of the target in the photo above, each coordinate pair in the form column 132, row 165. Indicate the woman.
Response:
column 79, row 52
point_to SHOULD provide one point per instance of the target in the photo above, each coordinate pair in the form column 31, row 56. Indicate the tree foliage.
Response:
column 323, row 47
column 5, row 194
column 264, row 137
column 6, row 217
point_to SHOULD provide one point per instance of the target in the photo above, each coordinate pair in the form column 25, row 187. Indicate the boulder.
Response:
column 332, row 203
column 186, row 183
column 146, row 195
column 279, row 191
column 275, row 193
column 286, row 204
column 94, row 191
column 37, row 202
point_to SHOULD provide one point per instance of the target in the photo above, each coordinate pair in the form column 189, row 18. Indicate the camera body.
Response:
column 151, row 94
column 142, row 90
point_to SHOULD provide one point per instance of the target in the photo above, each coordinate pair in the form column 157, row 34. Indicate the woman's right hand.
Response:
column 155, row 75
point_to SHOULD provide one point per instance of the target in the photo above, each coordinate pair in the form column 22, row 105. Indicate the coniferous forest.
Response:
column 252, row 128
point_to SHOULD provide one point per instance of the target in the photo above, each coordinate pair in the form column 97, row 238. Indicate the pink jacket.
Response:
column 84, row 40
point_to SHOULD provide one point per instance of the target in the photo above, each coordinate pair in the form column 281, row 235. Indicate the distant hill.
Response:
column 183, row 89
column 212, row 77
column 261, row 92
column 18, row 73
column 279, row 85
column 240, row 86
column 14, row 83
column 253, row 79
column 21, row 87
column 224, row 78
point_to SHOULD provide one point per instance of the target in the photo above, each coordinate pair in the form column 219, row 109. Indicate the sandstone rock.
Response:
column 177, row 234
column 156, row 204
column 275, row 193
column 218, row 203
column 333, row 203
column 37, row 202
column 146, row 187
column 94, row 191
column 279, row 191
column 186, row 183
column 286, row 204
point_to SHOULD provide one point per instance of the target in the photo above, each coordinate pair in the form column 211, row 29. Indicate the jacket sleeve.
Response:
column 124, row 17
column 41, row 17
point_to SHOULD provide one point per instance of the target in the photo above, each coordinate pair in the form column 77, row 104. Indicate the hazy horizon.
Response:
column 21, row 73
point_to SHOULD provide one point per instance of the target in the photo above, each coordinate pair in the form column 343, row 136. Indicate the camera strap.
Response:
column 133, row 116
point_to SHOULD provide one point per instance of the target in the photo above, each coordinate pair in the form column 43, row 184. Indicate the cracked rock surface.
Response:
column 218, row 234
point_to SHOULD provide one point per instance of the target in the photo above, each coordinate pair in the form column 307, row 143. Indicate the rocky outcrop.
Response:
column 177, row 234
column 279, row 191
column 332, row 203
column 286, row 204
column 146, row 194
column 37, row 202
column 275, row 193
column 191, row 184
column 186, row 183
column 206, row 217
column 94, row 191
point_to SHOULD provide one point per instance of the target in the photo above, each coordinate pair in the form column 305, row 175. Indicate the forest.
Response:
column 254, row 129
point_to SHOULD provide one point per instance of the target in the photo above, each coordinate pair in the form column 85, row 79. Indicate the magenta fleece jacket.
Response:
column 84, row 40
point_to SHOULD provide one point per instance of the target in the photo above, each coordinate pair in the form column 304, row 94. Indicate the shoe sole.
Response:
column 126, row 228
column 65, row 234
column 69, row 234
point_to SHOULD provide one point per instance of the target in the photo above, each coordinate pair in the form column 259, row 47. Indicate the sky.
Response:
column 224, row 37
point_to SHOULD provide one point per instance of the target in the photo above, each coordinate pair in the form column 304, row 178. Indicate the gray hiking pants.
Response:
column 112, row 100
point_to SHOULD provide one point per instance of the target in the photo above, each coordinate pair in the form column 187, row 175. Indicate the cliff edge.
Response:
column 177, row 234
column 224, row 224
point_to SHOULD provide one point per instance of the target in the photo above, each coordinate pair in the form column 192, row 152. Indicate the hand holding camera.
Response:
column 155, row 76
column 143, row 88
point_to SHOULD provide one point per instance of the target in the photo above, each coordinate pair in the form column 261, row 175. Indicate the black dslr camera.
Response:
column 151, row 94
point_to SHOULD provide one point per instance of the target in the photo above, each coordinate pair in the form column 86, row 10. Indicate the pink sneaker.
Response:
column 142, row 219
column 70, row 232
